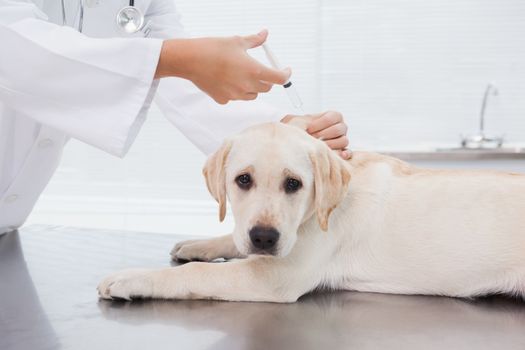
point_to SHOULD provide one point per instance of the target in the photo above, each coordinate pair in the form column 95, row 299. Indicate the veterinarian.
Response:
column 89, row 69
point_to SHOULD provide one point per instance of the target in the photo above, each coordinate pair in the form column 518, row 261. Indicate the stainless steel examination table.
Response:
column 48, row 300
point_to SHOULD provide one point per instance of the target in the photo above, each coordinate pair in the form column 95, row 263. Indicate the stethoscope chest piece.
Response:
column 130, row 20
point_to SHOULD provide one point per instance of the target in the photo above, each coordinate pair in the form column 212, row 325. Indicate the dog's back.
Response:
column 450, row 232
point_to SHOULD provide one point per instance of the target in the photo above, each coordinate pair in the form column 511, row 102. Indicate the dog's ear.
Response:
column 215, row 175
column 331, row 177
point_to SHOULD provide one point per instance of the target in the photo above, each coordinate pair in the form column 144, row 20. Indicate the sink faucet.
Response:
column 480, row 140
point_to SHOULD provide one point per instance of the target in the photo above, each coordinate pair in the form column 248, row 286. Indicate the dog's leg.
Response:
column 257, row 278
column 206, row 249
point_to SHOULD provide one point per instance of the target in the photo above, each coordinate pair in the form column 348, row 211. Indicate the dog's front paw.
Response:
column 193, row 250
column 127, row 284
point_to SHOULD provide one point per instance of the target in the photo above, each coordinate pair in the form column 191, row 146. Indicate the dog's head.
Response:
column 276, row 177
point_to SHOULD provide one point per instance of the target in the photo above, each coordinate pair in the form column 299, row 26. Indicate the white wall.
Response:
column 411, row 73
column 406, row 74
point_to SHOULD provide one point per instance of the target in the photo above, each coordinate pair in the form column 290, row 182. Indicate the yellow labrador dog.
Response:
column 306, row 219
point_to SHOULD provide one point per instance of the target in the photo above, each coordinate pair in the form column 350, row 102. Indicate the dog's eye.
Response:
column 292, row 185
column 244, row 181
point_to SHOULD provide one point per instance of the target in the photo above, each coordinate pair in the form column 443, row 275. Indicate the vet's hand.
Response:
column 327, row 126
column 220, row 67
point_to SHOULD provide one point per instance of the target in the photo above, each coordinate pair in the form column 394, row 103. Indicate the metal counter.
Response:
column 460, row 154
column 48, row 300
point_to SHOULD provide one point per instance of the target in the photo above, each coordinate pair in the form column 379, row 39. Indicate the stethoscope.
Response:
column 129, row 20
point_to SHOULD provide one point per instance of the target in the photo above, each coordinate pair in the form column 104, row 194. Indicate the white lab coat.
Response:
column 56, row 83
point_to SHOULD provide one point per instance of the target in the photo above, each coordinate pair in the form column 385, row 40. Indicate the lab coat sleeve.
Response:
column 95, row 90
column 204, row 122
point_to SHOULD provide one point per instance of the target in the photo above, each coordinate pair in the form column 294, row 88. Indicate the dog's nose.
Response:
column 264, row 237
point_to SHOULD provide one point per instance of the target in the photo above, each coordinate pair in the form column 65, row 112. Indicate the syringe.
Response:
column 288, row 86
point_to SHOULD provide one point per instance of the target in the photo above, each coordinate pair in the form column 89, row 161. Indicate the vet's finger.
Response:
column 339, row 143
column 324, row 121
column 345, row 154
column 222, row 100
column 250, row 96
column 332, row 132
column 262, row 86
column 273, row 76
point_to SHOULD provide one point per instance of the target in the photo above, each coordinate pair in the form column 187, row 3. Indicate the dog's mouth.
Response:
column 267, row 252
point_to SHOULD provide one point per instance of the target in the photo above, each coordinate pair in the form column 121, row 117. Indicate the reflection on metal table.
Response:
column 48, row 300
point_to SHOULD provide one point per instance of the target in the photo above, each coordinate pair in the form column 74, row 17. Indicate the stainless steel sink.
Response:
column 473, row 148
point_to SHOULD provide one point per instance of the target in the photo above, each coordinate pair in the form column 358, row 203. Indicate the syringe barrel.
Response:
column 293, row 96
column 290, row 89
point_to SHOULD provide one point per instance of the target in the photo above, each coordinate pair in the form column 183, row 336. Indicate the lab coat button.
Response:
column 11, row 198
column 44, row 143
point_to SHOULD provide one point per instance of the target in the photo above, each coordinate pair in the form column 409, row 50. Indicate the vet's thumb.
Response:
column 255, row 40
